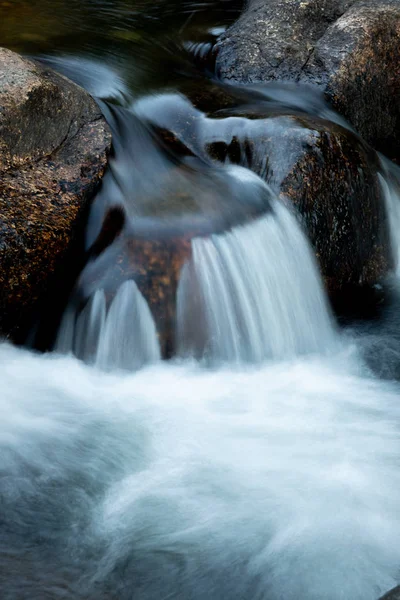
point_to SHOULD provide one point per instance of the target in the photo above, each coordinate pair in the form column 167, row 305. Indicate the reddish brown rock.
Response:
column 53, row 153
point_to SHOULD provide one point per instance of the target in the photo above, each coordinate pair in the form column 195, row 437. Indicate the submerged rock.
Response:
column 53, row 152
column 351, row 49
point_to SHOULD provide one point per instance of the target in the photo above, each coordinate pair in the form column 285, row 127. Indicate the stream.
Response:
column 261, row 460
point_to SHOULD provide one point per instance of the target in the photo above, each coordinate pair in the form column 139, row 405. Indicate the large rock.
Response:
column 350, row 49
column 53, row 152
column 331, row 178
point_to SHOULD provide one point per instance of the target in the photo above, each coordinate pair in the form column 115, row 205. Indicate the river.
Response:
column 261, row 461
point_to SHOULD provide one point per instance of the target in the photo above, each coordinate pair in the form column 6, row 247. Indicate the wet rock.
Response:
column 351, row 49
column 53, row 152
column 330, row 176
column 327, row 172
column 145, row 234
column 152, row 248
column 392, row 595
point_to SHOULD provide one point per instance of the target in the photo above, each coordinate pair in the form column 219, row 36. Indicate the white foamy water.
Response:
column 125, row 337
column 253, row 293
column 274, row 482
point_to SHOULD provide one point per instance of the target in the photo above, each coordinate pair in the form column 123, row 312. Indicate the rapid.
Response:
column 261, row 461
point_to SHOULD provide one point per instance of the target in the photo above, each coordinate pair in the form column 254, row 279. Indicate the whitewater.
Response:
column 276, row 481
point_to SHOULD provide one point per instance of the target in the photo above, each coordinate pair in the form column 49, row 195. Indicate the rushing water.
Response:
column 182, row 483
column 262, row 461
column 249, row 309
column 123, row 337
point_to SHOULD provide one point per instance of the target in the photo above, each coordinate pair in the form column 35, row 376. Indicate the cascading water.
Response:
column 178, row 482
column 253, row 293
column 248, row 294
column 275, row 475
column 390, row 184
column 123, row 337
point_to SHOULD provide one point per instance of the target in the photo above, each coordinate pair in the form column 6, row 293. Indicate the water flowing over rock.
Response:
column 185, row 242
column 262, row 461
column 53, row 152
column 351, row 49
column 390, row 185
column 153, row 202
column 124, row 337
column 330, row 175
column 253, row 293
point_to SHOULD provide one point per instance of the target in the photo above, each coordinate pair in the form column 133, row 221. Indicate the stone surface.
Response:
column 351, row 49
column 53, row 152
column 392, row 595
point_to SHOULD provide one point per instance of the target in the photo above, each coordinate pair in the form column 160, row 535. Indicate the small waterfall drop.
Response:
column 253, row 293
column 390, row 185
column 125, row 337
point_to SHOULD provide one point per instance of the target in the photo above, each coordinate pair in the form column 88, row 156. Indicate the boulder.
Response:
column 350, row 49
column 331, row 177
column 53, row 152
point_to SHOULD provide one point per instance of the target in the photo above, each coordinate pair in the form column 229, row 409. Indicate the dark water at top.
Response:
column 143, row 40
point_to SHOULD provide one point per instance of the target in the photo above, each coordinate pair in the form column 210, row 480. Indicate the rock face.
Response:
column 53, row 152
column 351, row 49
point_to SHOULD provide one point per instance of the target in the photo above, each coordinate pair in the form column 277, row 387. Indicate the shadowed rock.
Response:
column 53, row 152
column 392, row 595
column 350, row 49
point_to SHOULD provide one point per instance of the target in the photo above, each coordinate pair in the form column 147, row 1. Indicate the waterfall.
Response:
column 125, row 337
column 253, row 293
column 390, row 185
column 246, row 295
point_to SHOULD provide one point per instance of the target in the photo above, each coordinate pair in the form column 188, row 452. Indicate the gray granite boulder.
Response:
column 350, row 49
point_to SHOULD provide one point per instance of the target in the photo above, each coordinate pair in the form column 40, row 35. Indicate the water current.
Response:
column 261, row 461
